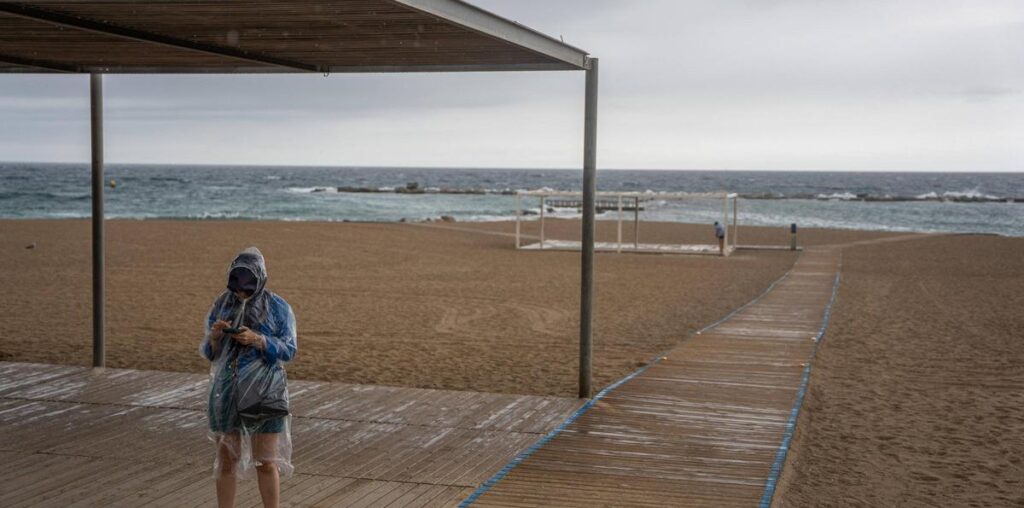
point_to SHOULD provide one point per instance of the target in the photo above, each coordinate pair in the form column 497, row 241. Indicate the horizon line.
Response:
column 516, row 168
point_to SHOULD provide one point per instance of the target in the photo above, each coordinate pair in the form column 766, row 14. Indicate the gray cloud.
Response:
column 988, row 92
column 788, row 84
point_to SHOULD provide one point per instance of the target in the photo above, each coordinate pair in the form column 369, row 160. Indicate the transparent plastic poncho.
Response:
column 248, row 399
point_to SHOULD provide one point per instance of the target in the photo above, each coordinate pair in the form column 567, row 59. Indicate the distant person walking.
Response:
column 250, row 333
column 720, row 234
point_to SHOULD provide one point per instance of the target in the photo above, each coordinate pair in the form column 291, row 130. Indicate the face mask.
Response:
column 242, row 279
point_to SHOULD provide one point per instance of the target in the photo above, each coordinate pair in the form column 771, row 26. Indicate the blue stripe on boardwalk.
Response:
column 493, row 480
column 482, row 489
column 780, row 456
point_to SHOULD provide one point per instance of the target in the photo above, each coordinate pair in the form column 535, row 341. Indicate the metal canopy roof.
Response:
column 277, row 36
column 270, row 36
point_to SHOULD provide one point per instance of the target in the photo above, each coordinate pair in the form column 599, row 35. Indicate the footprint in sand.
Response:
column 461, row 316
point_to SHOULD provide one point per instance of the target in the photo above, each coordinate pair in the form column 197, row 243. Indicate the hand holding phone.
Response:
column 217, row 329
column 231, row 331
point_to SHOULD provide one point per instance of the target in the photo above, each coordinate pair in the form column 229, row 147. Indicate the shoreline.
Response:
column 526, row 219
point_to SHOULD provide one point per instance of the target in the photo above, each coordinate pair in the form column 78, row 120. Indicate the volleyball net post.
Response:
column 619, row 203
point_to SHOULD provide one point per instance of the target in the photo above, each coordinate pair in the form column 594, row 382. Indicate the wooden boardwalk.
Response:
column 73, row 436
column 701, row 427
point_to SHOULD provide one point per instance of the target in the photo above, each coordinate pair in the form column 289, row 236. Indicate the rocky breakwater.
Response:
column 416, row 188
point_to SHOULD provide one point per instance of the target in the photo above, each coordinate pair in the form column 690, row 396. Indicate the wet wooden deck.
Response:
column 701, row 427
column 73, row 436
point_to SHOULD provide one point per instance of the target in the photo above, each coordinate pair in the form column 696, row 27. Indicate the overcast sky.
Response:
column 898, row 85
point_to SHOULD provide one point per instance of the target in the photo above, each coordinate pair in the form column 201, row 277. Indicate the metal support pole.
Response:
column 96, row 100
column 542, row 223
column 589, row 191
column 519, row 212
column 618, row 240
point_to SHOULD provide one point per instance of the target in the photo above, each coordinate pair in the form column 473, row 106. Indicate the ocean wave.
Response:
column 948, row 196
column 172, row 179
column 841, row 196
column 68, row 215
column 193, row 216
column 403, row 189
column 313, row 190
column 4, row 195
column 490, row 218
column 967, row 195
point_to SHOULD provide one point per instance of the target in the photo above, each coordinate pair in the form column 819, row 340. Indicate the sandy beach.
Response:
column 917, row 392
column 397, row 304
column 916, row 397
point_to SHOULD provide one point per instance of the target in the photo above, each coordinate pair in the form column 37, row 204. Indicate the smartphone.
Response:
column 232, row 331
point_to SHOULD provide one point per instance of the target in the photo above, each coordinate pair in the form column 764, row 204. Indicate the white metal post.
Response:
column 542, row 222
column 725, row 224
column 735, row 223
column 519, row 206
column 618, row 240
column 636, row 223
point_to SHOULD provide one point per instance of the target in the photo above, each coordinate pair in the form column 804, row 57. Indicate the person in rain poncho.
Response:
column 250, row 333
column 720, row 234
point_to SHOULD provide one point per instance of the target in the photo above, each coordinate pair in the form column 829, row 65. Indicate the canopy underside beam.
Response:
column 90, row 25
column 39, row 64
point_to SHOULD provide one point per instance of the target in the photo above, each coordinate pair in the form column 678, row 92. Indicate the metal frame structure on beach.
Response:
column 637, row 198
column 286, row 36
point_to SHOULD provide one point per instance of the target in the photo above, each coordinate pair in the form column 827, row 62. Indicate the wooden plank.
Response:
column 306, row 492
column 699, row 428
column 117, row 437
column 395, row 493
column 49, row 484
column 337, row 492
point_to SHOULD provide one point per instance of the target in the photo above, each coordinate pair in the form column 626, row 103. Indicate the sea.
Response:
column 924, row 202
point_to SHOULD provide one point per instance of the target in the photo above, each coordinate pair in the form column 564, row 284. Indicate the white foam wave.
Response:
column 842, row 196
column 971, row 194
column 310, row 190
column 974, row 193
column 494, row 218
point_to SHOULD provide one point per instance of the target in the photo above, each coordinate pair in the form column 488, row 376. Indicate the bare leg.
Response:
column 227, row 452
column 265, row 454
